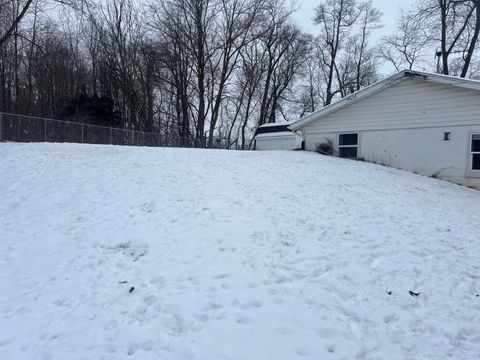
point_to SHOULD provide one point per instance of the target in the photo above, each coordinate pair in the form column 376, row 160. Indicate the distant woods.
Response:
column 212, row 71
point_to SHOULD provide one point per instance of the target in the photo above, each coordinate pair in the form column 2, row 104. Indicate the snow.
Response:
column 276, row 134
column 231, row 255
column 278, row 123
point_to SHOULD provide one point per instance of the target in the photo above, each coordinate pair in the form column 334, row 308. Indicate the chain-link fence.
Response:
column 21, row 128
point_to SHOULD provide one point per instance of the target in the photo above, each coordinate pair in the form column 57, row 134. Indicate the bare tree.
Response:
column 408, row 45
column 203, row 72
column 248, row 83
column 347, row 61
column 473, row 38
column 234, row 32
column 120, row 37
column 448, row 23
column 17, row 18
column 336, row 19
column 363, row 56
column 175, row 70
column 23, row 7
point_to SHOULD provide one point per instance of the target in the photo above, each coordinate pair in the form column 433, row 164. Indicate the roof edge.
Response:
column 379, row 85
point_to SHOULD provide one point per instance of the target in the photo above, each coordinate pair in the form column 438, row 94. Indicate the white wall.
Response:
column 419, row 150
column 285, row 142
column 424, row 151
column 312, row 140
column 403, row 127
column 410, row 103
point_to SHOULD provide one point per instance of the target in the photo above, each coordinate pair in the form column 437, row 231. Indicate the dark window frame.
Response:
column 348, row 146
column 474, row 153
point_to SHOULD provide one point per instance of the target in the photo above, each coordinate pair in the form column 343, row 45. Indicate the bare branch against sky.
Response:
column 389, row 8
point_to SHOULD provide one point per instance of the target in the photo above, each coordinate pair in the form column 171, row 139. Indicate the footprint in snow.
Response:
column 251, row 304
column 355, row 329
column 148, row 207
column 157, row 280
column 132, row 250
column 110, row 348
column 390, row 318
column 212, row 306
column 301, row 352
column 243, row 320
column 220, row 276
column 134, row 347
column 202, row 317
column 5, row 342
column 326, row 332
column 283, row 330
column 374, row 264
column 331, row 348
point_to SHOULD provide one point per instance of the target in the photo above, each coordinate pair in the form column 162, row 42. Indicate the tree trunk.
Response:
column 473, row 42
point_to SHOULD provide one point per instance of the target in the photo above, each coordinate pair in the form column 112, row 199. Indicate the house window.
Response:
column 348, row 145
column 475, row 151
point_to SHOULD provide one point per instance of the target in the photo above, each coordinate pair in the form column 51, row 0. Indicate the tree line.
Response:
column 211, row 71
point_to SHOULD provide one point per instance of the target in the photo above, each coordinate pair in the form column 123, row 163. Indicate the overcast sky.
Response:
column 389, row 8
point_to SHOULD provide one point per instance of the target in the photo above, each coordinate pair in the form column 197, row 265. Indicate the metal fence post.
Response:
column 1, row 127
column 82, row 133
column 110, row 136
column 45, row 130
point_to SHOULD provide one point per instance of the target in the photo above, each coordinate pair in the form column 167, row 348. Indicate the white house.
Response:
column 421, row 122
column 276, row 136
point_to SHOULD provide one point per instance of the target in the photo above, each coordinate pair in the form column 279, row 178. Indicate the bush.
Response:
column 326, row 148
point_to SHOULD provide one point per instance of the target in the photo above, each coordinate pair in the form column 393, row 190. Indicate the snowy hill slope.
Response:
column 145, row 253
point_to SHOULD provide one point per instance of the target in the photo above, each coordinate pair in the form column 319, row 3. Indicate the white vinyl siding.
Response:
column 404, row 126
column 265, row 142
column 423, row 151
column 408, row 104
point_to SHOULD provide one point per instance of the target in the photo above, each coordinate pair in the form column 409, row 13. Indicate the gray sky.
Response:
column 389, row 8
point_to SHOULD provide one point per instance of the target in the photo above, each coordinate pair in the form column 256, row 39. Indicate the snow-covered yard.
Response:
column 145, row 253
